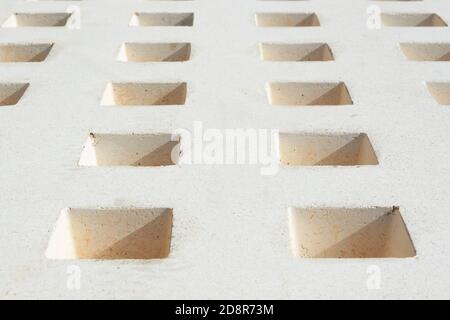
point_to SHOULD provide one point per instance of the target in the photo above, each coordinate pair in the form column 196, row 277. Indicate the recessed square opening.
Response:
column 426, row 51
column 295, row 52
column 18, row 20
column 326, row 150
column 440, row 91
column 349, row 233
column 11, row 93
column 154, row 52
column 142, row 19
column 107, row 234
column 24, row 52
column 287, row 20
column 308, row 94
column 137, row 150
column 144, row 94
column 412, row 20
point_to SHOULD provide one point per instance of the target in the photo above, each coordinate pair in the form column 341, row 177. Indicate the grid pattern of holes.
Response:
column 312, row 18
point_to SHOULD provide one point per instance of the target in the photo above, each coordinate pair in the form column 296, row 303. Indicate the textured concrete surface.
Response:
column 230, row 236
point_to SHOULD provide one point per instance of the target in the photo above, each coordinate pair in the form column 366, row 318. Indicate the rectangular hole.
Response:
column 24, row 52
column 440, row 91
column 11, row 93
column 349, row 233
column 18, row 20
column 326, row 150
column 144, row 94
column 426, row 51
column 154, row 52
column 308, row 94
column 412, row 20
column 107, row 234
column 142, row 19
column 287, row 20
column 295, row 52
column 136, row 150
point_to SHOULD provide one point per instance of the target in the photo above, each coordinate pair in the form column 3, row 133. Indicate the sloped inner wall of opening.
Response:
column 440, row 91
column 11, row 93
column 144, row 19
column 308, row 94
column 24, row 52
column 412, row 20
column 154, row 52
column 426, row 51
column 144, row 94
column 287, row 20
column 111, row 234
column 326, row 150
column 349, row 233
column 146, row 150
column 37, row 20
column 295, row 52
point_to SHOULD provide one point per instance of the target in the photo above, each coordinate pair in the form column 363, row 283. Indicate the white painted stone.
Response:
column 230, row 235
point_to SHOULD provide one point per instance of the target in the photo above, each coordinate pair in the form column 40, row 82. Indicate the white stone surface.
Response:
column 230, row 232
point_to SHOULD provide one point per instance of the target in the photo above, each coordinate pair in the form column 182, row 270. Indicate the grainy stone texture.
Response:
column 230, row 227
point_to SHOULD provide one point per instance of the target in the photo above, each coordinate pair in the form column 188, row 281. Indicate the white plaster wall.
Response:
column 230, row 234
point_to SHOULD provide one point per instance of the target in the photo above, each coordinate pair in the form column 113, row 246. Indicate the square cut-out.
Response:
column 154, row 52
column 18, row 20
column 106, row 234
column 426, row 51
column 412, row 20
column 440, row 91
column 137, row 150
column 24, row 52
column 144, row 94
column 326, row 150
column 295, row 52
column 143, row 19
column 11, row 93
column 287, row 20
column 308, row 94
column 349, row 233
